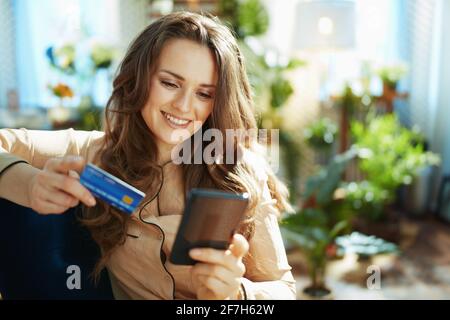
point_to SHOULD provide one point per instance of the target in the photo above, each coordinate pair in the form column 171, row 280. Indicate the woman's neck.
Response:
column 164, row 154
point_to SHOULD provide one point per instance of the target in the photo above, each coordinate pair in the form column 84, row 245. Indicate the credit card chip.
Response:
column 127, row 199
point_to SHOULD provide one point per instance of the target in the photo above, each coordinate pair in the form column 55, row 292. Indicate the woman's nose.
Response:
column 183, row 101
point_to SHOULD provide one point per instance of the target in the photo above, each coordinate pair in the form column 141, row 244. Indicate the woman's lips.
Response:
column 175, row 122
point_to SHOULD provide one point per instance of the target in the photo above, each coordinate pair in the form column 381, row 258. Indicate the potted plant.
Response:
column 60, row 115
column 320, row 220
column 396, row 155
column 390, row 75
column 62, row 58
column 362, row 250
column 364, row 246
column 309, row 230
column 321, row 136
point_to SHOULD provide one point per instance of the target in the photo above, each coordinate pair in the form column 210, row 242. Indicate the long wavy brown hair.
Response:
column 128, row 149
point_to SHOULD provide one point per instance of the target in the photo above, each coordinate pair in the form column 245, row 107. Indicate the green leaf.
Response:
column 281, row 90
column 253, row 19
column 298, row 239
column 338, row 227
column 295, row 63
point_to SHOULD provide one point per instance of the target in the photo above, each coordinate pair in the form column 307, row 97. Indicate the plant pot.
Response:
column 389, row 86
column 317, row 288
column 320, row 293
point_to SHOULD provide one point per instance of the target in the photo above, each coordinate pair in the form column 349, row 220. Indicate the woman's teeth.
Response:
column 176, row 121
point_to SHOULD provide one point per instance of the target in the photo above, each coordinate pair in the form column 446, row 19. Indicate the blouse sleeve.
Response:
column 36, row 147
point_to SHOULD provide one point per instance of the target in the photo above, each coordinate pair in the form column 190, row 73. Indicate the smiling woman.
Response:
column 181, row 90
column 183, row 72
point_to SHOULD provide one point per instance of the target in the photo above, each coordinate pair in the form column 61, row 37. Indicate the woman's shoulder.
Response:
column 91, row 142
column 86, row 139
column 97, row 135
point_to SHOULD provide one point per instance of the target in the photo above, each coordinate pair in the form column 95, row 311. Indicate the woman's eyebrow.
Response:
column 182, row 79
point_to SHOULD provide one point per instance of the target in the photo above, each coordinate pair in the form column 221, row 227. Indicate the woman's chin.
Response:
column 172, row 142
column 176, row 136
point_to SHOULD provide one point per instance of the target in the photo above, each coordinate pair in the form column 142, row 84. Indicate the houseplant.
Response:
column 322, row 217
column 321, row 136
column 396, row 157
column 60, row 115
column 390, row 75
column 365, row 251
column 85, row 67
column 62, row 58
column 246, row 17
column 364, row 246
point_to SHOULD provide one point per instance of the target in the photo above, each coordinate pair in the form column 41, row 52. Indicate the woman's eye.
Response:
column 169, row 84
column 204, row 95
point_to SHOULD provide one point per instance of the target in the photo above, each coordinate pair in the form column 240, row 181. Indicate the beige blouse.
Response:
column 139, row 268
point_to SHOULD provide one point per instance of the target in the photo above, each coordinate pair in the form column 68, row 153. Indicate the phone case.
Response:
column 210, row 219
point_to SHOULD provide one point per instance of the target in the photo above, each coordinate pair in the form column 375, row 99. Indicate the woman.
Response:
column 183, row 73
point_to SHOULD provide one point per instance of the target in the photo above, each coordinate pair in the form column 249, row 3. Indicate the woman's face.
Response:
column 182, row 90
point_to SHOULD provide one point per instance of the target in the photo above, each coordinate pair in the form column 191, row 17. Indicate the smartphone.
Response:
column 210, row 219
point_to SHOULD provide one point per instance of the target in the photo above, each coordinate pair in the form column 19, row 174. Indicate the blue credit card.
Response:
column 110, row 189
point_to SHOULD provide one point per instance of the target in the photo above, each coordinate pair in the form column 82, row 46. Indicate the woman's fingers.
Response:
column 219, row 257
column 214, row 256
column 64, row 165
column 216, row 286
column 239, row 246
column 238, row 249
column 219, row 272
column 49, row 200
column 57, row 187
column 213, row 281
column 71, row 186
column 49, row 207
column 60, row 198
column 73, row 174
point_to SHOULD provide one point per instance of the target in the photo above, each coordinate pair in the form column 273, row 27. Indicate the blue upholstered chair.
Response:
column 36, row 252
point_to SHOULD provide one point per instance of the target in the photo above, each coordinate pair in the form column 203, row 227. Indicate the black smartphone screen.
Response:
column 210, row 219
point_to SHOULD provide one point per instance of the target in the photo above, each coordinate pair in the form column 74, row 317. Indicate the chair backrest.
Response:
column 47, row 256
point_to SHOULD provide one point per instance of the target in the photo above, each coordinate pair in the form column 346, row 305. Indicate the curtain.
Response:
column 440, row 86
column 426, row 44
column 418, row 42
column 38, row 23
column 44, row 23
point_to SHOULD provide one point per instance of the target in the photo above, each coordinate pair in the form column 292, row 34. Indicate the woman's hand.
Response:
column 218, row 273
column 56, row 187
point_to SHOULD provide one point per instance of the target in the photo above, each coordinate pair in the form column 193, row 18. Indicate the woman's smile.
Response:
column 175, row 122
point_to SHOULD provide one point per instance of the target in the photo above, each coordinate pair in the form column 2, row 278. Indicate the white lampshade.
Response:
column 324, row 24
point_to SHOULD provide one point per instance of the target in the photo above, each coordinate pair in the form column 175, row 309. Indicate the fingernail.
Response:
column 195, row 252
column 91, row 201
